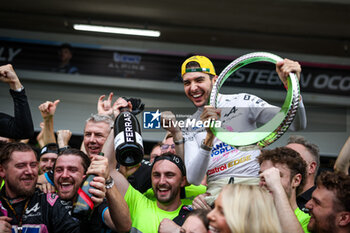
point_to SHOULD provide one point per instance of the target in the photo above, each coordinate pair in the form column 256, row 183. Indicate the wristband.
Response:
column 179, row 142
column 19, row 89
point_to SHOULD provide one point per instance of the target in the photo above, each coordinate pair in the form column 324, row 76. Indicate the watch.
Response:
column 109, row 183
column 179, row 142
column 63, row 148
column 205, row 147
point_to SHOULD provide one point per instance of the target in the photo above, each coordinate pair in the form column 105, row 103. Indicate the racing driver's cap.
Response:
column 205, row 65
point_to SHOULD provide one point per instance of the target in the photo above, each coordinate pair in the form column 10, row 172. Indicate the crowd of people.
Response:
column 191, row 182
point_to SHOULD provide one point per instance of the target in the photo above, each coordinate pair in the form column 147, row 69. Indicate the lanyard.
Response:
column 19, row 219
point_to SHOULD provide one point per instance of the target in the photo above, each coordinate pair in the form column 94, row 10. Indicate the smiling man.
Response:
column 96, row 132
column 168, row 177
column 47, row 157
column 207, row 155
column 330, row 204
column 22, row 207
column 69, row 173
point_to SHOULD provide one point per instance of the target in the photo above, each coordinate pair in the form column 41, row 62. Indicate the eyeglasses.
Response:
column 166, row 146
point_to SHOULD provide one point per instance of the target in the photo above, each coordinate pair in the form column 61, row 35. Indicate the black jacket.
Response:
column 45, row 213
column 21, row 125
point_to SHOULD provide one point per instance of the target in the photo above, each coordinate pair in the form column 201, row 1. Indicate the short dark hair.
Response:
column 66, row 46
column 157, row 144
column 291, row 158
column 2, row 144
column 73, row 151
column 312, row 148
column 8, row 149
column 194, row 64
column 339, row 183
column 202, row 215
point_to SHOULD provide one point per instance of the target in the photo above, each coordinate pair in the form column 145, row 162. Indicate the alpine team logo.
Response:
column 151, row 120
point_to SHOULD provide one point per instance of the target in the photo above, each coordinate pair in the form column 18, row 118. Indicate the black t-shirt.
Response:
column 303, row 198
column 141, row 179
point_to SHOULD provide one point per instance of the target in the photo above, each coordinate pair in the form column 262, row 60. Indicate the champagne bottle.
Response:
column 83, row 205
column 127, row 139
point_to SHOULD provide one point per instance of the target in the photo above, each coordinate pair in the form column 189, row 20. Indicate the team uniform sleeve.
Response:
column 196, row 160
column 49, row 177
column 259, row 110
column 262, row 112
column 21, row 125
column 96, row 222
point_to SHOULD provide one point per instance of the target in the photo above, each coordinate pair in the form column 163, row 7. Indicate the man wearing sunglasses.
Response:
column 166, row 147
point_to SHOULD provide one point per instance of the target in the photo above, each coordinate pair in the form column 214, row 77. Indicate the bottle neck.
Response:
column 124, row 109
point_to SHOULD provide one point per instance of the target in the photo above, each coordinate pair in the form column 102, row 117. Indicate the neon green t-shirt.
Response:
column 190, row 192
column 145, row 214
column 2, row 184
column 303, row 219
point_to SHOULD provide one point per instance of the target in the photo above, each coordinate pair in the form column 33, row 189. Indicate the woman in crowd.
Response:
column 244, row 209
column 196, row 222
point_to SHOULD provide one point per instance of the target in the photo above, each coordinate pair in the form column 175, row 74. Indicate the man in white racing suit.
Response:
column 207, row 155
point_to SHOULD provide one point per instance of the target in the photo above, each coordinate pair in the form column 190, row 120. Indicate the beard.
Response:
column 21, row 191
column 165, row 200
column 323, row 226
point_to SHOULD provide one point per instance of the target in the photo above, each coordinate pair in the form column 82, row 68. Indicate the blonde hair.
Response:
column 249, row 209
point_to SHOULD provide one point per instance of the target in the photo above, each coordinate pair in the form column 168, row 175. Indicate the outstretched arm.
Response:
column 168, row 119
column 104, row 107
column 117, row 216
column 39, row 137
column 272, row 180
column 343, row 160
column 197, row 156
column 21, row 125
column 47, row 111
column 63, row 137
column 108, row 150
column 283, row 68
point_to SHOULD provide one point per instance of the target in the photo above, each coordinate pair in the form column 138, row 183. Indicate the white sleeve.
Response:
column 269, row 111
column 196, row 161
column 260, row 110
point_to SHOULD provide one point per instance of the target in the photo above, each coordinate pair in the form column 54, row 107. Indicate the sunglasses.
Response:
column 166, row 146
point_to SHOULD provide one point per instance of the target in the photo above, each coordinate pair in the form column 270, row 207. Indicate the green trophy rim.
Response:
column 277, row 126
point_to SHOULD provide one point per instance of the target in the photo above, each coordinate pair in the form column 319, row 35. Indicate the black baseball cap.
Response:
column 49, row 148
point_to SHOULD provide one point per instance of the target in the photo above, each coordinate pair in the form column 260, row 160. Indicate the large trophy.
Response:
column 277, row 126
